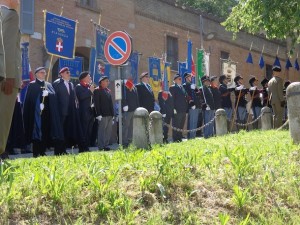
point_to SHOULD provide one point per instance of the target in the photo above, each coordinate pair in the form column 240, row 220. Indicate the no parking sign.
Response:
column 117, row 48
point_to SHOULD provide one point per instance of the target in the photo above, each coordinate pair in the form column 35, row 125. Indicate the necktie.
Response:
column 149, row 87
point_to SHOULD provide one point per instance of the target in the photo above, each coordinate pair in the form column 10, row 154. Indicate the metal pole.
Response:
column 201, row 32
column 120, row 111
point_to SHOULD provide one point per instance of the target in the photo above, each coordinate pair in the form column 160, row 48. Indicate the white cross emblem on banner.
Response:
column 59, row 46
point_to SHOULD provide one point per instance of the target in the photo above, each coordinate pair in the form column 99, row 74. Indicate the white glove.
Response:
column 193, row 107
column 207, row 108
column 239, row 87
column 164, row 115
column 45, row 93
column 193, row 86
column 252, row 89
column 175, row 112
column 99, row 118
column 125, row 108
column 42, row 106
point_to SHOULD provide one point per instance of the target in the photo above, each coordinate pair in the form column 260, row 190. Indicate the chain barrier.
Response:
column 147, row 129
column 246, row 124
column 193, row 130
column 284, row 125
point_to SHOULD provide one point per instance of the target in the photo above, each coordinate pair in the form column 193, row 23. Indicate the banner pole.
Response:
column 120, row 111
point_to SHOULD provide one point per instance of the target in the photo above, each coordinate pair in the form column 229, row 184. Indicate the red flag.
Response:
column 193, row 67
column 31, row 76
column 129, row 84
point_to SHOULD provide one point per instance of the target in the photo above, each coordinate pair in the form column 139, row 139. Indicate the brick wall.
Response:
column 148, row 22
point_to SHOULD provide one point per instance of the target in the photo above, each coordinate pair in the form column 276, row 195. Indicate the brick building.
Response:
column 156, row 26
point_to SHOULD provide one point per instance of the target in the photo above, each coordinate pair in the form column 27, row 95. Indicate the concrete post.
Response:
column 140, row 128
column 266, row 118
column 156, row 131
column 221, row 122
column 293, row 107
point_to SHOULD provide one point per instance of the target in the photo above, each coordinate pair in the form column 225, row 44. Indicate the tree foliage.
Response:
column 277, row 19
column 219, row 8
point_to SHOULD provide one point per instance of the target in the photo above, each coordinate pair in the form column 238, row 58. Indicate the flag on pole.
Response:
column 200, row 63
column 296, row 65
column 190, row 61
column 249, row 58
column 288, row 64
column 154, row 68
column 182, row 69
column 277, row 62
column 261, row 61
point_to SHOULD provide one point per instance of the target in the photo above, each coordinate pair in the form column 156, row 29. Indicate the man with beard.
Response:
column 41, row 117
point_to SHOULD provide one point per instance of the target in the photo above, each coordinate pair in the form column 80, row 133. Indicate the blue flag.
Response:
column 277, row 62
column 182, row 69
column 166, row 80
column 75, row 66
column 97, row 68
column 154, row 68
column 60, row 35
column 25, row 70
column 189, row 56
column 249, row 58
column 296, row 65
column 288, row 64
column 101, row 36
column 134, row 62
column 261, row 61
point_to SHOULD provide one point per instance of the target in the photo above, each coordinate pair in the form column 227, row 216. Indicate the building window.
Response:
column 88, row 4
column 224, row 55
column 269, row 71
column 27, row 17
column 172, row 51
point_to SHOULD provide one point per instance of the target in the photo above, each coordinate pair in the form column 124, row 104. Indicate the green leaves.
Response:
column 278, row 19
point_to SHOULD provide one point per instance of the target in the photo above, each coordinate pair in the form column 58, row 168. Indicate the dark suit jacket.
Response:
column 166, row 106
column 130, row 98
column 180, row 99
column 217, row 97
column 146, row 97
column 208, row 97
column 225, row 96
column 103, row 102
column 84, row 96
column 65, row 100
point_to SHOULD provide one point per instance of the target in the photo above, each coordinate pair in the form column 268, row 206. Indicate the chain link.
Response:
column 147, row 129
column 246, row 124
column 193, row 130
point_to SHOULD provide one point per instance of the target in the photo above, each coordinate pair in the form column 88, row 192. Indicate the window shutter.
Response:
column 27, row 17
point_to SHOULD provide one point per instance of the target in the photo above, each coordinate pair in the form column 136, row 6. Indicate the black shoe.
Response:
column 107, row 149
column 165, row 141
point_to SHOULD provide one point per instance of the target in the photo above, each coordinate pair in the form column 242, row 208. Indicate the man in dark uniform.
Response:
column 256, row 101
column 240, row 100
column 226, row 103
column 104, row 112
column 214, row 86
column 180, row 107
column 65, row 93
column 193, row 112
column 41, row 116
column 208, row 107
column 84, row 93
column 146, row 95
column 130, row 102
column 10, row 65
column 265, row 95
column 166, row 104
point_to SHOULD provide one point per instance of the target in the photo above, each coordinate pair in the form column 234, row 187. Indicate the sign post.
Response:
column 117, row 50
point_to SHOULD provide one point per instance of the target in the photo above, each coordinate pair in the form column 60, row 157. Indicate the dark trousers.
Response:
column 39, row 148
column 178, row 122
column 87, row 127
column 167, row 120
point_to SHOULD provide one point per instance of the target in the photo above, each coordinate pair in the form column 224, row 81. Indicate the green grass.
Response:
column 245, row 178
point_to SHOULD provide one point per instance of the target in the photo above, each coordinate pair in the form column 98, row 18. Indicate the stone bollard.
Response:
column 266, row 118
column 140, row 137
column 156, row 131
column 293, row 107
column 221, row 122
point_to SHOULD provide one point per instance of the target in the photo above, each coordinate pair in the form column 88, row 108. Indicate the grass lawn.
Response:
column 245, row 178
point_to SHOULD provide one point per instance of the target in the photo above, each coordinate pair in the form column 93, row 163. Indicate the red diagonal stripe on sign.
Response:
column 117, row 48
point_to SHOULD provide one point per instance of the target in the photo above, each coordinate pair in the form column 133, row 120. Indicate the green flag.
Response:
column 200, row 69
